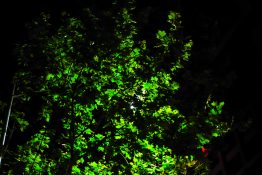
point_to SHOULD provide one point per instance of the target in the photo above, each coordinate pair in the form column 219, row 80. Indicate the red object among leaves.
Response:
column 205, row 151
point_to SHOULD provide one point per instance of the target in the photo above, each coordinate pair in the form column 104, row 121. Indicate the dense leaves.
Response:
column 109, row 107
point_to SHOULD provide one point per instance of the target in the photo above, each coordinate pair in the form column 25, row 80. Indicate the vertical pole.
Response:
column 7, row 123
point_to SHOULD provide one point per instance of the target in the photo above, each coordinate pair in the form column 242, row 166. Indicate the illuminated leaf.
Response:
column 172, row 16
column 99, row 136
column 147, row 86
column 213, row 112
column 160, row 34
column 76, row 170
column 118, row 137
column 55, row 97
column 73, row 79
column 49, row 76
column 88, row 131
column 215, row 134
column 100, row 148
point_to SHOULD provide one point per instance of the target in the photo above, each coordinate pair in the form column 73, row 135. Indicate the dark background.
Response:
column 226, row 34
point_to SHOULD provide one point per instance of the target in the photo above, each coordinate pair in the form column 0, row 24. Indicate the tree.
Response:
column 106, row 99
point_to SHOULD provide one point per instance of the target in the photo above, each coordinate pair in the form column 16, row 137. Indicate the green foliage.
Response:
column 23, row 124
column 111, row 110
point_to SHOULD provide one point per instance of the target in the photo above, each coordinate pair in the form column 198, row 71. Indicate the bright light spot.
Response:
column 132, row 107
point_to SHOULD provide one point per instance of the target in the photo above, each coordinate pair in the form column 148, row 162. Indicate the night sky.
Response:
column 239, row 48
